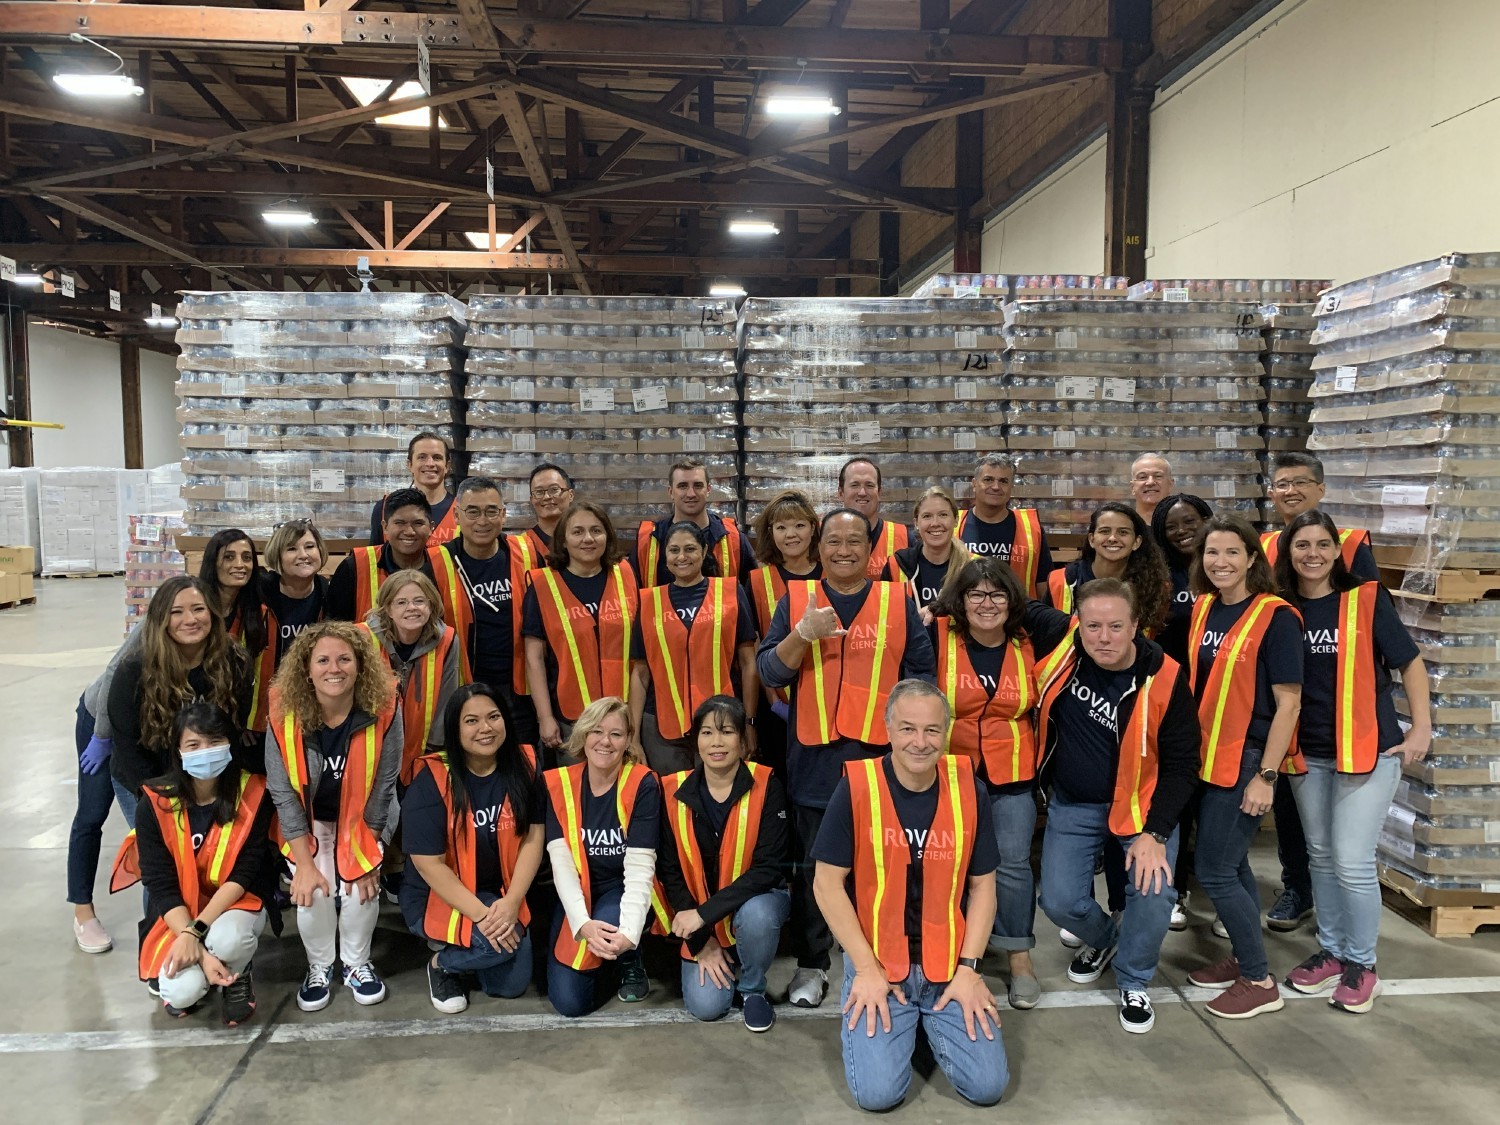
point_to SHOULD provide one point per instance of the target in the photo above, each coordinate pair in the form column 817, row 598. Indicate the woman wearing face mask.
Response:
column 786, row 541
column 473, row 825
column 1175, row 525
column 930, row 565
column 1351, row 749
column 576, row 622
column 333, row 750
column 294, row 591
column 693, row 639
column 602, row 828
column 986, row 667
column 200, row 848
column 235, row 582
column 1245, row 666
column 185, row 655
column 723, row 848
column 1118, row 545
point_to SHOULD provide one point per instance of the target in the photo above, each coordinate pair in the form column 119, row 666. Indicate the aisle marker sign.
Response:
column 424, row 69
column 114, row 299
column 489, row 178
column 69, row 285
column 155, row 312
column 7, row 268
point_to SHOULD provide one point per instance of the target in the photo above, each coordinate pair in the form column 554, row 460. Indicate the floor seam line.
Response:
column 243, row 1062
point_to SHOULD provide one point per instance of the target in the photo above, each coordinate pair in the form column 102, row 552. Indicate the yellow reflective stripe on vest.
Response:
column 770, row 592
column 818, row 679
column 625, row 628
column 1023, row 705
column 1231, row 661
column 660, row 606
column 216, row 865
column 573, row 833
column 372, row 758
column 429, row 687
column 567, row 628
column 652, row 560
column 880, row 632
column 521, row 544
column 1024, row 530
column 955, row 793
column 371, row 560
column 724, row 557
column 950, row 680
column 289, row 752
column 877, row 838
column 716, row 592
column 1142, row 699
column 1348, row 655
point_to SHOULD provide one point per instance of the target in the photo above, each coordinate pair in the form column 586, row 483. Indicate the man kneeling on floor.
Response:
column 1119, row 737
column 911, row 834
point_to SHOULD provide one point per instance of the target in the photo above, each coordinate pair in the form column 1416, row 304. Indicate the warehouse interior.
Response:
column 819, row 229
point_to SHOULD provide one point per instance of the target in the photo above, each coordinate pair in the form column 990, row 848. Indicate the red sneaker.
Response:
column 1219, row 975
column 1318, row 973
column 1243, row 1000
column 1357, row 988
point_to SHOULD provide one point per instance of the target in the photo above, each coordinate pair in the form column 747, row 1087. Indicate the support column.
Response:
column 968, row 179
column 130, row 404
column 1127, row 154
column 890, row 253
column 18, row 384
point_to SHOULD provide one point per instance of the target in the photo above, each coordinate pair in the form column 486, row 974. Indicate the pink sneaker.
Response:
column 91, row 936
column 1357, row 988
column 1318, row 973
column 1220, row 975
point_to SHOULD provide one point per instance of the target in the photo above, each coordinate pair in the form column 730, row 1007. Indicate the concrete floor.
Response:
column 80, row 1040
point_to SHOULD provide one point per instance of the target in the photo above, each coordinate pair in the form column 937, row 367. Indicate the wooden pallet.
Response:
column 18, row 602
column 1439, row 921
column 89, row 574
column 1450, row 585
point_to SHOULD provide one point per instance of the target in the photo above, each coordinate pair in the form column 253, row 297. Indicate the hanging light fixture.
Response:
column 86, row 84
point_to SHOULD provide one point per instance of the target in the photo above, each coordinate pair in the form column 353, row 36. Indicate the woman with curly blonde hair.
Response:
column 333, row 750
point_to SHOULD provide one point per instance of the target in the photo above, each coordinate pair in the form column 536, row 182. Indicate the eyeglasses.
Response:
column 549, row 493
column 303, row 524
column 979, row 597
column 493, row 512
column 1297, row 485
column 409, row 603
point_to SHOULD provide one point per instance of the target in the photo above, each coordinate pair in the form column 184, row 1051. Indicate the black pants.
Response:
column 811, row 939
column 1291, row 843
column 1187, row 842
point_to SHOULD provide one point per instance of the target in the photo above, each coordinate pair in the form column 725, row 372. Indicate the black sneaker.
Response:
column 759, row 1015
column 635, row 985
column 446, row 990
column 1136, row 1014
column 1090, row 963
column 390, row 886
column 153, row 987
column 1291, row 910
column 239, row 999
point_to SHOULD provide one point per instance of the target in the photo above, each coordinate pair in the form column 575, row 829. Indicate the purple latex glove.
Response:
column 96, row 754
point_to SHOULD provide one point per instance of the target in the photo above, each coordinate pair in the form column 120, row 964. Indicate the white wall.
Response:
column 160, row 430
column 1056, row 228
column 1335, row 138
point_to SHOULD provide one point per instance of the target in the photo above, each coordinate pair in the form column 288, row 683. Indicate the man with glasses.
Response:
column 1296, row 487
column 840, row 644
column 1150, row 483
column 428, row 458
column 996, row 530
column 481, row 577
column 406, row 523
column 687, row 488
column 551, row 493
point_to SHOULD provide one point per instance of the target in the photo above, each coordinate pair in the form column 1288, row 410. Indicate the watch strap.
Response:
column 969, row 963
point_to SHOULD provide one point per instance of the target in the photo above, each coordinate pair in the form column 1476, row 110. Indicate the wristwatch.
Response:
column 198, row 928
column 1159, row 838
column 1268, row 776
column 970, row 963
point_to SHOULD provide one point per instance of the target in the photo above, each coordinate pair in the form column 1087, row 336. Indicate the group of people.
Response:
column 844, row 731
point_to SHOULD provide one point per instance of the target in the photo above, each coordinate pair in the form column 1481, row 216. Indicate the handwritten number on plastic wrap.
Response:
column 976, row 361
column 709, row 315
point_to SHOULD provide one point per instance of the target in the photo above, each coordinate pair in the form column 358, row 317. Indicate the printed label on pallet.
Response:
column 965, row 439
column 1403, row 495
column 236, row 490
column 694, row 442
column 1223, row 490
column 522, row 338
column 1064, row 439
column 1065, row 338
column 693, row 339
column 1175, row 294
column 523, row 390
column 1078, row 386
column 523, row 443
column 1226, row 439
column 966, row 389
column 1344, row 378
column 862, row 433
column 234, row 385
column 693, row 391
column 1117, row 390
column 596, row 398
column 236, row 436
column 963, row 341
column 1227, row 389
column 326, row 481
column 1061, row 487
column 648, row 398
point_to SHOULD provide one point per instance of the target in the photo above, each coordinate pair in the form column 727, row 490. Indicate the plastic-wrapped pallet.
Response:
column 1091, row 385
column 84, row 517
column 20, row 524
column 302, row 404
column 151, row 558
column 1275, row 291
column 1289, row 376
column 1407, row 422
column 614, row 389
column 913, row 384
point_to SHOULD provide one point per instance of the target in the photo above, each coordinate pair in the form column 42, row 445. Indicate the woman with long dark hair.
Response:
column 234, row 581
column 1175, row 526
column 472, row 822
column 1118, row 545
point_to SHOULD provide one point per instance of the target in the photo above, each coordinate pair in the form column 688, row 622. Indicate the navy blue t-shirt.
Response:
column 1394, row 648
column 929, row 575
column 995, row 539
column 686, row 601
column 200, row 823
column 1087, row 717
column 332, row 745
column 1279, row 660
column 1174, row 635
column 293, row 614
column 605, row 839
column 915, row 811
column 488, row 583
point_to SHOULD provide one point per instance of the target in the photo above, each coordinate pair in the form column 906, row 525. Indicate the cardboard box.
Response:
column 17, row 560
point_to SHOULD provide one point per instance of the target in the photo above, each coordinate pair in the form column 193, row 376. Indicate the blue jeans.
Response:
column 500, row 973
column 1072, row 841
column 1223, row 860
column 757, row 930
column 1341, row 815
column 878, row 1067
column 96, row 791
column 1014, row 816
column 574, row 993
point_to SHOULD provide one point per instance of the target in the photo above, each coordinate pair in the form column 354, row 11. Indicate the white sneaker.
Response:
column 91, row 936
column 1070, row 939
column 1220, row 930
column 808, row 988
column 1179, row 915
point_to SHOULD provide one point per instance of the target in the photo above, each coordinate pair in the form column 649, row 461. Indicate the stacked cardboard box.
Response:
column 913, row 384
column 1091, row 385
column 84, row 517
column 302, row 404
column 17, row 584
column 1407, row 423
column 615, row 389
column 151, row 558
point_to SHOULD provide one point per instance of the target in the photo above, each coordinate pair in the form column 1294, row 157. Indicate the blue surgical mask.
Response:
column 207, row 763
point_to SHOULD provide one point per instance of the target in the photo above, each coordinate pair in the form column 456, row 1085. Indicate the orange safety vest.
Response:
column 689, row 665
column 767, row 588
column 1136, row 770
column 1228, row 699
column 997, row 727
column 1350, row 541
column 447, row 527
column 592, row 663
column 736, row 846
column 419, row 699
column 366, row 579
column 263, row 666
column 889, row 538
column 442, row 921
column 1356, row 727
column 1025, row 547
column 458, row 607
column 359, row 850
column 458, row 611
column 882, row 855
column 1060, row 589
column 565, row 789
column 539, row 550
column 648, row 551
column 844, row 681
column 200, row 874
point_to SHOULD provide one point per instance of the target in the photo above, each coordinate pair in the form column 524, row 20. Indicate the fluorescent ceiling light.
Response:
column 289, row 217
column 30, row 280
column 753, row 228
column 480, row 239
column 366, row 90
column 726, row 289
column 115, row 85
column 801, row 105
column 162, row 321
